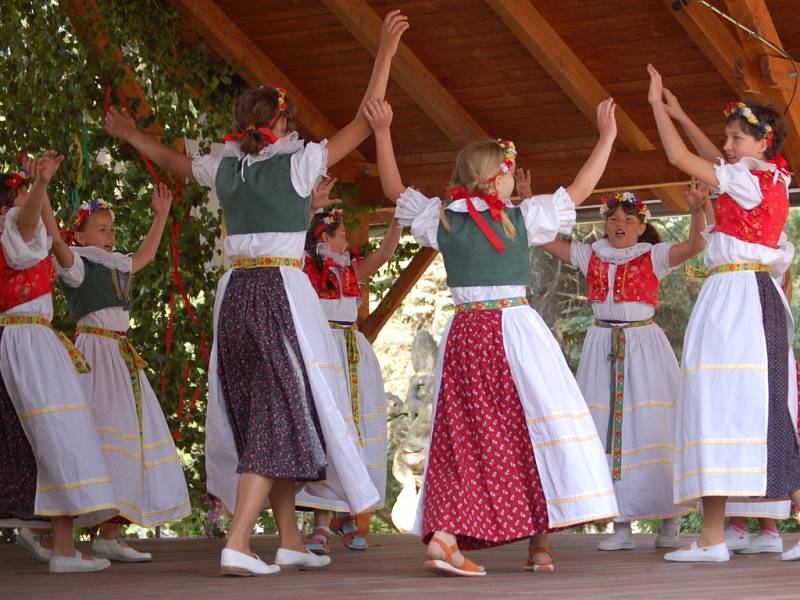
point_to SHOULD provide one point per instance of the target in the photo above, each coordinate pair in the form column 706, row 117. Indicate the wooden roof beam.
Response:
column 720, row 46
column 239, row 51
column 573, row 77
column 409, row 72
column 775, row 75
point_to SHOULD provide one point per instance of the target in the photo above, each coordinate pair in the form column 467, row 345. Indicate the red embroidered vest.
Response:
column 634, row 281
column 19, row 287
column 327, row 285
column 762, row 224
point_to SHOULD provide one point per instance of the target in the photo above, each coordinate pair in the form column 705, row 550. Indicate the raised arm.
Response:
column 379, row 115
column 374, row 261
column 696, row 200
column 587, row 178
column 60, row 249
column 321, row 194
column 162, row 202
column 677, row 152
column 121, row 126
column 702, row 144
column 41, row 171
column 560, row 249
column 346, row 139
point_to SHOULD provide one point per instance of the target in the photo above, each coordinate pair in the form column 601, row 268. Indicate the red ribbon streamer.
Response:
column 496, row 206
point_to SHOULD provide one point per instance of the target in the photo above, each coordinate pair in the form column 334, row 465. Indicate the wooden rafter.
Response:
column 720, row 46
column 239, row 51
column 372, row 326
column 573, row 77
column 774, row 73
column 409, row 72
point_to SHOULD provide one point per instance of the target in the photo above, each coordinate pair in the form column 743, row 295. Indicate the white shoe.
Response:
column 292, row 559
column 735, row 539
column 33, row 542
column 763, row 543
column 76, row 564
column 792, row 553
column 234, row 562
column 668, row 541
column 693, row 553
column 113, row 550
column 619, row 540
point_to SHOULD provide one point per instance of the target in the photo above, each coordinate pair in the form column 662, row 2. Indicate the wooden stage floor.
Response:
column 392, row 568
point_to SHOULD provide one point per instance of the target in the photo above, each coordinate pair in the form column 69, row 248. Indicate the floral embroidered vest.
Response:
column 19, row 287
column 762, row 224
column 326, row 283
column 634, row 281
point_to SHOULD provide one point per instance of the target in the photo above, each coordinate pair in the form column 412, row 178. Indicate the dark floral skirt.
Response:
column 264, row 381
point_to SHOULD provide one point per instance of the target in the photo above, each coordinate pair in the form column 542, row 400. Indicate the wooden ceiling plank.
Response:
column 573, row 77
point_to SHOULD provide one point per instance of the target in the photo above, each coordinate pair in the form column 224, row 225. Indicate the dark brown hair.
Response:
column 317, row 221
column 256, row 108
column 766, row 114
column 650, row 234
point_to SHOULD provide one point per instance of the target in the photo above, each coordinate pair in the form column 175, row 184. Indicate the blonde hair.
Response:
column 476, row 164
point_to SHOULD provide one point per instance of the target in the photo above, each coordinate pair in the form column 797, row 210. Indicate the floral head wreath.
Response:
column 89, row 208
column 335, row 216
column 740, row 109
column 266, row 132
column 607, row 205
column 17, row 179
column 509, row 155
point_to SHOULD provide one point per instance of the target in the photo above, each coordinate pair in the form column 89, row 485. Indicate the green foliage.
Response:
column 54, row 92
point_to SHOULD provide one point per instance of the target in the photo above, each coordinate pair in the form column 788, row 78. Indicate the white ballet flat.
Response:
column 238, row 563
column 33, row 542
column 693, row 553
column 76, row 564
column 113, row 550
column 762, row 544
column 292, row 559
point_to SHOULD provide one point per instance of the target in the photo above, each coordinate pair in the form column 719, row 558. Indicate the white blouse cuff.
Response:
column 18, row 253
column 547, row 215
column 415, row 209
column 308, row 165
column 72, row 276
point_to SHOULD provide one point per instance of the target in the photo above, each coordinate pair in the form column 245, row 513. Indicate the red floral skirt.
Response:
column 482, row 483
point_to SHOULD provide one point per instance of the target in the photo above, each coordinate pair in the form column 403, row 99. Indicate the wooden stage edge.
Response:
column 392, row 568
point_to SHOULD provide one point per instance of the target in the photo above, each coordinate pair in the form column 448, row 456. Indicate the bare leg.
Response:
column 322, row 518
column 435, row 551
column 282, row 500
column 713, row 521
column 540, row 541
column 46, row 543
column 63, row 542
column 251, row 493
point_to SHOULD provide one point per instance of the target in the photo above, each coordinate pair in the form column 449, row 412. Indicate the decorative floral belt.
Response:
column 617, row 390
column 353, row 358
column 491, row 304
column 81, row 366
column 738, row 267
column 260, row 262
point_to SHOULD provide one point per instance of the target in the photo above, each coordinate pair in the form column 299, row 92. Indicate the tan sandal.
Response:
column 319, row 542
column 446, row 566
column 536, row 568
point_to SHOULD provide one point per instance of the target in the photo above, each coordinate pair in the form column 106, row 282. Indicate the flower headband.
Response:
column 89, row 208
column 335, row 216
column 740, row 109
column 17, row 179
column 509, row 155
column 607, row 204
column 269, row 135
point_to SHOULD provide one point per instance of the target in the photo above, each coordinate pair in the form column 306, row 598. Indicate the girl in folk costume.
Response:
column 275, row 375
column 52, row 467
column 137, row 444
column 335, row 275
column 627, row 353
column 514, row 452
column 735, row 429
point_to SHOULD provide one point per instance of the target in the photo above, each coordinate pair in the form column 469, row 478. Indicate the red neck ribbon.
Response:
column 496, row 207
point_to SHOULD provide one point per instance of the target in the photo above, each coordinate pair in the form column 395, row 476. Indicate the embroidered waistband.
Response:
column 492, row 304
column 78, row 360
column 623, row 325
column 738, row 267
column 260, row 262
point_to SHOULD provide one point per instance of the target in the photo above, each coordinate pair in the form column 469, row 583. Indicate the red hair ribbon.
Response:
column 496, row 206
column 269, row 135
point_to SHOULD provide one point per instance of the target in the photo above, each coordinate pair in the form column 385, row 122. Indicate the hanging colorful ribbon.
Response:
column 495, row 205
